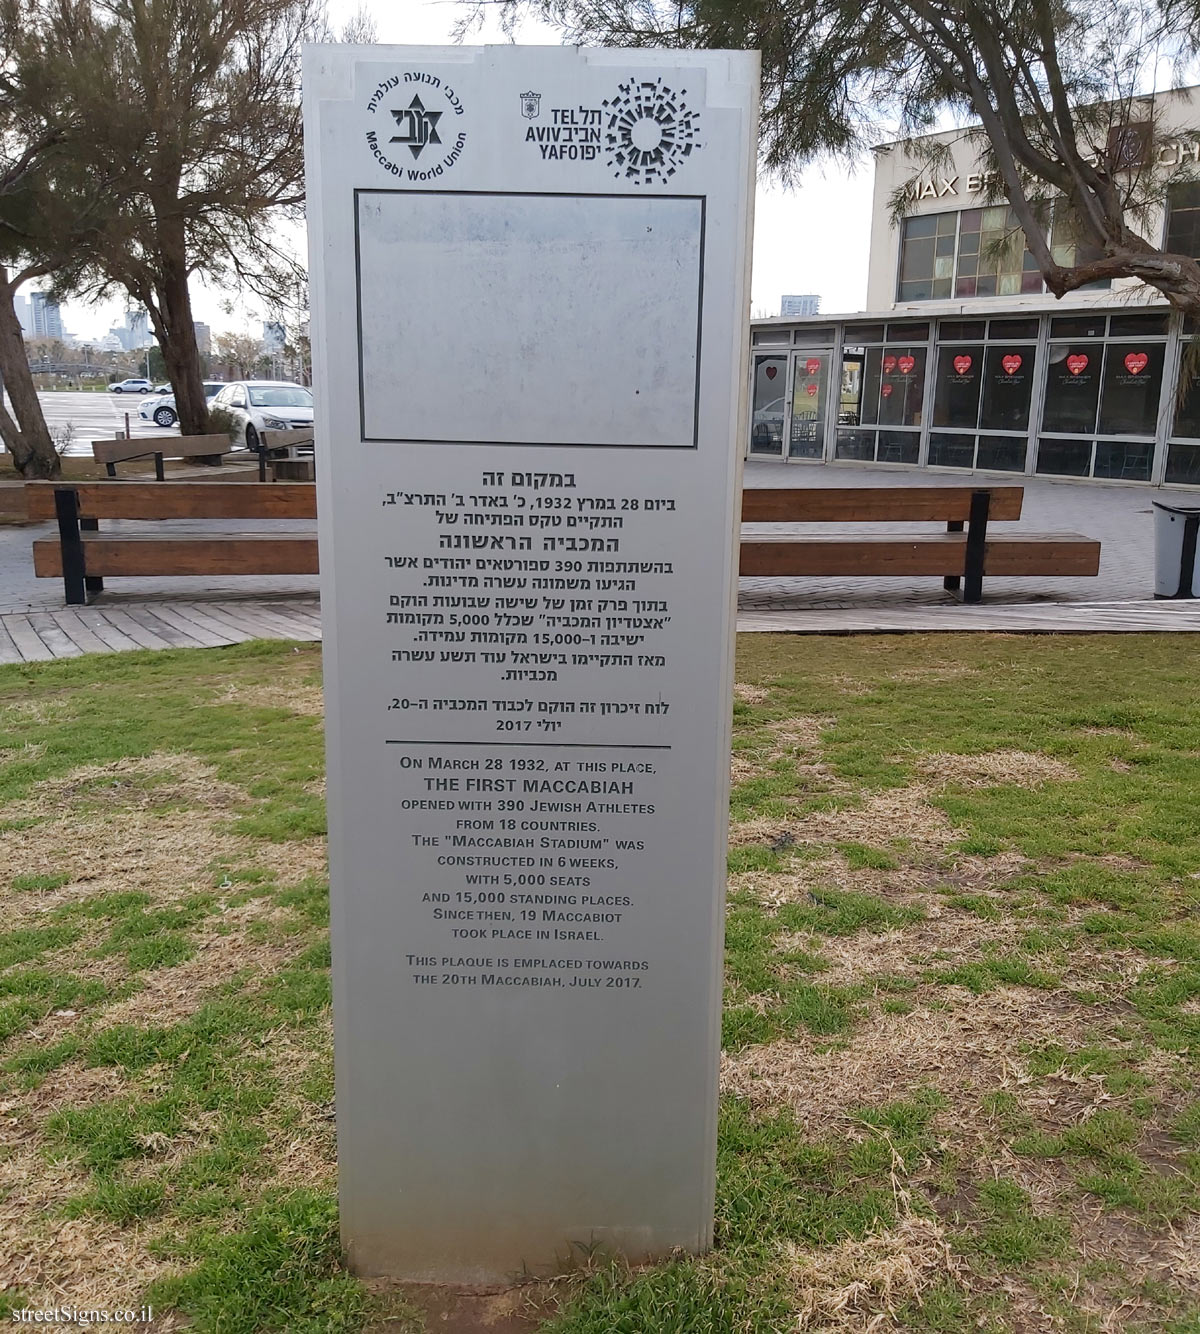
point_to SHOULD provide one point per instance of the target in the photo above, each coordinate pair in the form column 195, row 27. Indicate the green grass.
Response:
column 986, row 1027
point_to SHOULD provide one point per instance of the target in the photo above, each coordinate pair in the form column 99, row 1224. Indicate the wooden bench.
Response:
column 290, row 455
column 160, row 447
column 84, row 557
column 962, row 555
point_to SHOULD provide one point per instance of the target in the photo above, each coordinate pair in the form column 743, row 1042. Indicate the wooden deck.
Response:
column 67, row 632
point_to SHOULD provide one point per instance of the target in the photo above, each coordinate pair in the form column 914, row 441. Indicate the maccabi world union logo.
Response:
column 418, row 127
column 648, row 131
column 422, row 141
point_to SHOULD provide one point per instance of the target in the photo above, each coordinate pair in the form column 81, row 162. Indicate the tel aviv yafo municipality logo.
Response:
column 418, row 138
column 648, row 131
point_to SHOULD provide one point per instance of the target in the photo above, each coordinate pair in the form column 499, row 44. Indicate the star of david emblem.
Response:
column 418, row 127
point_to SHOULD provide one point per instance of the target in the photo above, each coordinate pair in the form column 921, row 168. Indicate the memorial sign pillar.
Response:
column 530, row 297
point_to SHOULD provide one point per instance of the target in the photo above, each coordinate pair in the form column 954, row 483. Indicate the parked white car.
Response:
column 161, row 408
column 131, row 386
column 264, row 405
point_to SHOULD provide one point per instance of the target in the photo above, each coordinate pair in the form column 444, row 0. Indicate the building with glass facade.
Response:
column 966, row 363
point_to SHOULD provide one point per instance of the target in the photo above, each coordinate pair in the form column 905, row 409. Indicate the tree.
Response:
column 49, row 194
column 1061, row 93
column 240, row 353
column 202, row 101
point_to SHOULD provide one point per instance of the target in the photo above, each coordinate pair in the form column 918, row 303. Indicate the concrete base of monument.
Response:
column 455, row 1310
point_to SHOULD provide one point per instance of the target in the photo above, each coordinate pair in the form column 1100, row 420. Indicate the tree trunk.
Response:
column 177, row 331
column 27, row 438
column 1177, row 277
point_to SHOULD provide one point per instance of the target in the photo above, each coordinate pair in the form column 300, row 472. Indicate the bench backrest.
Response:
column 287, row 439
column 179, row 500
column 169, row 446
column 876, row 504
column 298, row 500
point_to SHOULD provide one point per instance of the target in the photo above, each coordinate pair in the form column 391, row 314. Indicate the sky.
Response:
column 813, row 238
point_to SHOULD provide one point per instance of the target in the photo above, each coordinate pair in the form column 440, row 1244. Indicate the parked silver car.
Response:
column 255, row 406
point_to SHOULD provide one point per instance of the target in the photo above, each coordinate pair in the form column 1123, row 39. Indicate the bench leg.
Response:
column 952, row 582
column 976, row 546
column 159, row 475
column 66, row 509
column 111, row 469
column 92, row 582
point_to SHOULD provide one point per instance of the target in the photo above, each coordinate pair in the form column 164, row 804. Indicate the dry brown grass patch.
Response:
column 149, row 780
column 748, row 694
column 965, row 1051
column 81, row 1262
column 774, row 888
column 893, row 813
column 858, row 1285
column 170, row 995
column 1021, row 767
column 166, row 854
column 47, row 708
column 293, row 696
column 304, row 1151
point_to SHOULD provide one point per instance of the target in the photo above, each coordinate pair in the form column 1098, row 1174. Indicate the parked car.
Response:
column 264, row 405
column 131, row 386
column 161, row 409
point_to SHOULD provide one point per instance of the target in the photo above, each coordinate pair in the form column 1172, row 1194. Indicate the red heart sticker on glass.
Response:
column 1077, row 363
column 889, row 365
column 1011, row 364
column 811, row 390
column 906, row 364
column 886, row 391
column 772, row 372
column 962, row 365
column 1136, row 362
column 812, row 365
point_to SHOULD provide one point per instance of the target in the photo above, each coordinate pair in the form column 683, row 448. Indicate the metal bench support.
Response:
column 976, row 548
column 977, row 521
column 66, row 508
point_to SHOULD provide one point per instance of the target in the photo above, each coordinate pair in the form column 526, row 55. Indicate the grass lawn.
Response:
column 961, row 1021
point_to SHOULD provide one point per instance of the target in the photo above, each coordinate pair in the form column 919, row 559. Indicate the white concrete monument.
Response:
column 529, row 289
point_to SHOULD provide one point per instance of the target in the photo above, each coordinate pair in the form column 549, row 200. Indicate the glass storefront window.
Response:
column 855, row 444
column 1127, row 461
column 1187, row 392
column 1183, row 464
column 1007, row 387
column 1139, row 326
column 809, row 395
column 956, row 386
column 901, row 385
column 1068, row 246
column 1183, row 219
column 951, row 451
column 1132, row 383
column 766, row 422
column 1064, row 458
column 899, row 446
column 927, row 256
column 1072, row 388
column 993, row 259
column 1001, row 453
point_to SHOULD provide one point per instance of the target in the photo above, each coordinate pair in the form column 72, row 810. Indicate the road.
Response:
column 96, row 417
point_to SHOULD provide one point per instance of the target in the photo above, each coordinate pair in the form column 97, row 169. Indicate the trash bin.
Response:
column 1176, row 528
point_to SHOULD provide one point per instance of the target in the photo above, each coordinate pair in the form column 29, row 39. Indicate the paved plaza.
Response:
column 154, row 613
